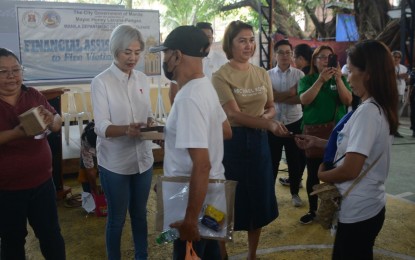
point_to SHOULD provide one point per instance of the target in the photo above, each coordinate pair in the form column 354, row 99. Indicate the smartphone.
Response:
column 332, row 62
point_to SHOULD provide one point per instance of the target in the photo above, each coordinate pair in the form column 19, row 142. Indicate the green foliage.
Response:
column 186, row 12
column 250, row 17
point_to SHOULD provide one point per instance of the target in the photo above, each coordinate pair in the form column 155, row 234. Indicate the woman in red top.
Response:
column 27, row 192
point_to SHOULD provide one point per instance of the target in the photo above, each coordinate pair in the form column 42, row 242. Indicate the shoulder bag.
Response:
column 330, row 197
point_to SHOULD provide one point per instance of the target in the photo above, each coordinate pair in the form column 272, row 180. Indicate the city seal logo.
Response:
column 51, row 19
column 31, row 19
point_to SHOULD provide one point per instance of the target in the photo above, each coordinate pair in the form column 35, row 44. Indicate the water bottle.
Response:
column 168, row 236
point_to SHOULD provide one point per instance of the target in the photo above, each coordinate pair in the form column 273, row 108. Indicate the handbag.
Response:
column 322, row 131
column 330, row 197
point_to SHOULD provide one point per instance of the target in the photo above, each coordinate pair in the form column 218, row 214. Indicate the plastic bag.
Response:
column 172, row 198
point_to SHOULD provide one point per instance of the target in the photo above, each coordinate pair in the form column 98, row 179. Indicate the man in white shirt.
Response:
column 215, row 59
column 194, row 132
column 401, row 76
column 284, row 80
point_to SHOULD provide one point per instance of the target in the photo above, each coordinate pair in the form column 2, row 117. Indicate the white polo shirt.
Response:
column 282, row 81
column 401, row 82
column 212, row 63
column 119, row 100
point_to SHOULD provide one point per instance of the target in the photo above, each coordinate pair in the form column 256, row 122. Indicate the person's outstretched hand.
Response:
column 309, row 141
column 278, row 129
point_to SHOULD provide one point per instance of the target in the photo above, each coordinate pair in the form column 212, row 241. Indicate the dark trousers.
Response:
column 312, row 179
column 294, row 155
column 412, row 105
column 38, row 206
column 356, row 240
column 205, row 249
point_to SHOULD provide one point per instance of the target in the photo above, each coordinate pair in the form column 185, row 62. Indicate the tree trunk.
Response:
column 285, row 23
column 371, row 17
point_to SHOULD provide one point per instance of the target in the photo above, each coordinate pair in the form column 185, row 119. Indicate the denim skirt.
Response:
column 247, row 160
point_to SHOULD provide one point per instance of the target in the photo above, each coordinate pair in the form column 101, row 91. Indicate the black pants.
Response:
column 294, row 155
column 312, row 179
column 38, row 207
column 412, row 100
column 204, row 248
column 355, row 240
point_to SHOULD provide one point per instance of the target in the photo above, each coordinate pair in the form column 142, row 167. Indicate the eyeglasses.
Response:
column 15, row 72
column 286, row 53
column 322, row 57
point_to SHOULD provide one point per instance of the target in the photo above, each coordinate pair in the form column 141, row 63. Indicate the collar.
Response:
column 279, row 70
column 119, row 74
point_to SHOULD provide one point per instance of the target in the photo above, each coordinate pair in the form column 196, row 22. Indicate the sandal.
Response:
column 73, row 201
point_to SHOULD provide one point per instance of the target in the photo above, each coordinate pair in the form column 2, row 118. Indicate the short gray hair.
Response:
column 397, row 52
column 122, row 36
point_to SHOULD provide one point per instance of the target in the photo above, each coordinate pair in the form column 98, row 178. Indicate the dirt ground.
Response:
column 285, row 238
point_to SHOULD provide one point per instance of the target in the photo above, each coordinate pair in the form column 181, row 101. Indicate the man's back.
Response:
column 195, row 121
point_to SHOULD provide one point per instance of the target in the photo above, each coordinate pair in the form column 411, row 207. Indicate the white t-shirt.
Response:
column 282, row 81
column 212, row 63
column 366, row 133
column 401, row 82
column 119, row 100
column 195, row 121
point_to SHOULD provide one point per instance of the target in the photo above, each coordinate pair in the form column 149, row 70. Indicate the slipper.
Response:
column 77, row 197
column 72, row 203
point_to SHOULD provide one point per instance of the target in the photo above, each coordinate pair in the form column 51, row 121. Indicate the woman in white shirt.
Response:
column 365, row 140
column 121, row 103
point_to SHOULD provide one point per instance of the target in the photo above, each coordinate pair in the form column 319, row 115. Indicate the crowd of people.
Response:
column 230, row 120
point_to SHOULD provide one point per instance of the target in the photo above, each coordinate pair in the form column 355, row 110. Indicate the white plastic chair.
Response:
column 74, row 113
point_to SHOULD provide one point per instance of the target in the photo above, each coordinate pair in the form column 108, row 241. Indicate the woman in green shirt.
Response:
column 325, row 95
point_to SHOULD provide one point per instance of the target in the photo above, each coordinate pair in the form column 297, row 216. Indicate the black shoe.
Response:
column 286, row 182
column 397, row 134
column 308, row 218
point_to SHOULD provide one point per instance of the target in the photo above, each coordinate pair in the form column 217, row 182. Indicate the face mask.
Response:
column 168, row 74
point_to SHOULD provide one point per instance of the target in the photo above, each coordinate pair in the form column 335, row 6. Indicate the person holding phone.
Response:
column 325, row 95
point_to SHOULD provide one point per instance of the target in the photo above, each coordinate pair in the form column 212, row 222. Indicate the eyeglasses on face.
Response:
column 286, row 53
column 13, row 72
column 322, row 57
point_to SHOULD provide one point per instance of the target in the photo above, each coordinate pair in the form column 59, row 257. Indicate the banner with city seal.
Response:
column 73, row 43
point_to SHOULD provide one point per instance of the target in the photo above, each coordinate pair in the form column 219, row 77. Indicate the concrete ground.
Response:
column 401, row 180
